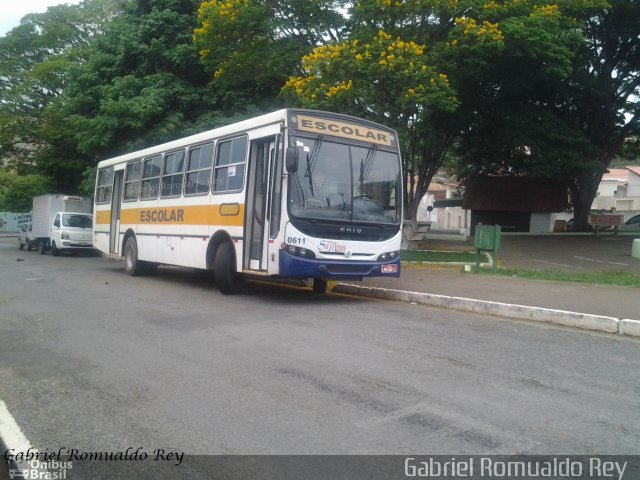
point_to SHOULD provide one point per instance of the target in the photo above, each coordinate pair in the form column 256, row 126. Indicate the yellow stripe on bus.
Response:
column 102, row 217
column 184, row 215
column 225, row 214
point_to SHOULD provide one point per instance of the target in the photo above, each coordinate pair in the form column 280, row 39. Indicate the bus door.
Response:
column 116, row 203
column 261, row 155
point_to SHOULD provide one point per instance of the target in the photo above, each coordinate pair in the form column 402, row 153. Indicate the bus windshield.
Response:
column 337, row 181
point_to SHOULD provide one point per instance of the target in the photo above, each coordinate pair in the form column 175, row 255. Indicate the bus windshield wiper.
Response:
column 365, row 166
column 311, row 160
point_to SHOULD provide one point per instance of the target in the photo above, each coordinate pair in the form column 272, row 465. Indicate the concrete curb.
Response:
column 537, row 314
column 630, row 327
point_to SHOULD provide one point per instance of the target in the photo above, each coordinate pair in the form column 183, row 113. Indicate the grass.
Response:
column 435, row 256
column 612, row 278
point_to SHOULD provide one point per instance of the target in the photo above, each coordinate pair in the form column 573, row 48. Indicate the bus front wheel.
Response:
column 132, row 265
column 224, row 269
column 319, row 285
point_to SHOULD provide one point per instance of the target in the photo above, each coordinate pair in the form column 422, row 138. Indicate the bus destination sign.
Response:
column 329, row 126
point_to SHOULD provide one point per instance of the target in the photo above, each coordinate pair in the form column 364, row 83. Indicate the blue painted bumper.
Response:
column 296, row 267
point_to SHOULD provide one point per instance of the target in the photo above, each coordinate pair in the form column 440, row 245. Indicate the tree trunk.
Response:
column 413, row 198
column 583, row 192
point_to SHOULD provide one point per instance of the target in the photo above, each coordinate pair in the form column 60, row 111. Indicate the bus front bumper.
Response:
column 293, row 266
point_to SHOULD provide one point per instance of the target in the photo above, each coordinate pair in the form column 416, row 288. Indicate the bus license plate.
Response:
column 393, row 268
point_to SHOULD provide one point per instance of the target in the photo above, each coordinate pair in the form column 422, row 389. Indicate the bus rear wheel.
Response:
column 224, row 269
column 132, row 265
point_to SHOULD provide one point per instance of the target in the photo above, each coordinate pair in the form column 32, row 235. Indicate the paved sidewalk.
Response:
column 619, row 302
column 585, row 253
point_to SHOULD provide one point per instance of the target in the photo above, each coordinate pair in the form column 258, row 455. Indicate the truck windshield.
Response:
column 80, row 221
column 337, row 181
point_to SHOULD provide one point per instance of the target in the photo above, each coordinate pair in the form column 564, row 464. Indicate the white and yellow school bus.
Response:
column 293, row 194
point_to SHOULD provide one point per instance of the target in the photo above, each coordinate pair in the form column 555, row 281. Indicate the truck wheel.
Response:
column 319, row 285
column 28, row 246
column 54, row 250
column 224, row 269
column 43, row 247
column 132, row 265
column 20, row 245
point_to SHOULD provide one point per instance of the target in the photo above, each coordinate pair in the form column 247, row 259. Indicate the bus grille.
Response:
column 349, row 268
column 349, row 236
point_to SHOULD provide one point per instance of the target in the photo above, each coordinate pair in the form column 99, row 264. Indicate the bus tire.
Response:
column 224, row 269
column 319, row 285
column 54, row 250
column 132, row 265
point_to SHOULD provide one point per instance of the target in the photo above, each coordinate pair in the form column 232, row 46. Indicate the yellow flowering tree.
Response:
column 389, row 70
column 252, row 46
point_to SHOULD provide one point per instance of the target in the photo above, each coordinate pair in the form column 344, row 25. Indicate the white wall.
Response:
column 633, row 188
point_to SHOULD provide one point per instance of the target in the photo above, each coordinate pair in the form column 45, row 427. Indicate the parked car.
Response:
column 25, row 239
column 631, row 225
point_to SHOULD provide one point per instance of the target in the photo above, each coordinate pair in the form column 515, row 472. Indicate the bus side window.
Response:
column 105, row 185
column 172, row 174
column 150, row 178
column 228, row 174
column 199, row 170
column 132, row 181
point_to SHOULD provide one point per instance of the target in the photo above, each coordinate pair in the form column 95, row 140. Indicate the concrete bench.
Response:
column 414, row 232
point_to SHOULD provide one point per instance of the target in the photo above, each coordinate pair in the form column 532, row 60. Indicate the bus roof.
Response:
column 278, row 116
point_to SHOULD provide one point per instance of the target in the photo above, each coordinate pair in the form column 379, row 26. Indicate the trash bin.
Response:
column 487, row 237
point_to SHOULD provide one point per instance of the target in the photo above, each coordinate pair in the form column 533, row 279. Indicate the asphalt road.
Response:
column 94, row 360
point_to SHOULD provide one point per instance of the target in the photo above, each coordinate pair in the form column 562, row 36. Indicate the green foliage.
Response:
column 18, row 196
column 390, row 70
column 252, row 46
column 557, row 95
column 430, row 256
column 88, row 183
column 611, row 278
column 35, row 58
column 143, row 83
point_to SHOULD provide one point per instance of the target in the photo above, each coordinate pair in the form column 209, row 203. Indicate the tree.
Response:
column 557, row 95
column 34, row 60
column 143, row 82
column 252, row 46
column 389, row 70
column 18, row 197
column 602, row 95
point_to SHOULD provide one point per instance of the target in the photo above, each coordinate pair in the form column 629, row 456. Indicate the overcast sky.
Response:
column 11, row 11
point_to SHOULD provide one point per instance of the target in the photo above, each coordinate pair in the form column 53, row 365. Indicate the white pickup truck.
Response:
column 71, row 232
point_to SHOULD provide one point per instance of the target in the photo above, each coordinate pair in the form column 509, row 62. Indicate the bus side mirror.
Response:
column 291, row 159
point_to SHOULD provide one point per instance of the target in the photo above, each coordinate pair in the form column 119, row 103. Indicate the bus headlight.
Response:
column 386, row 256
column 298, row 251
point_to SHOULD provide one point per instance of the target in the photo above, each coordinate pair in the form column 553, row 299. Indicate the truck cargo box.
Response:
column 45, row 208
